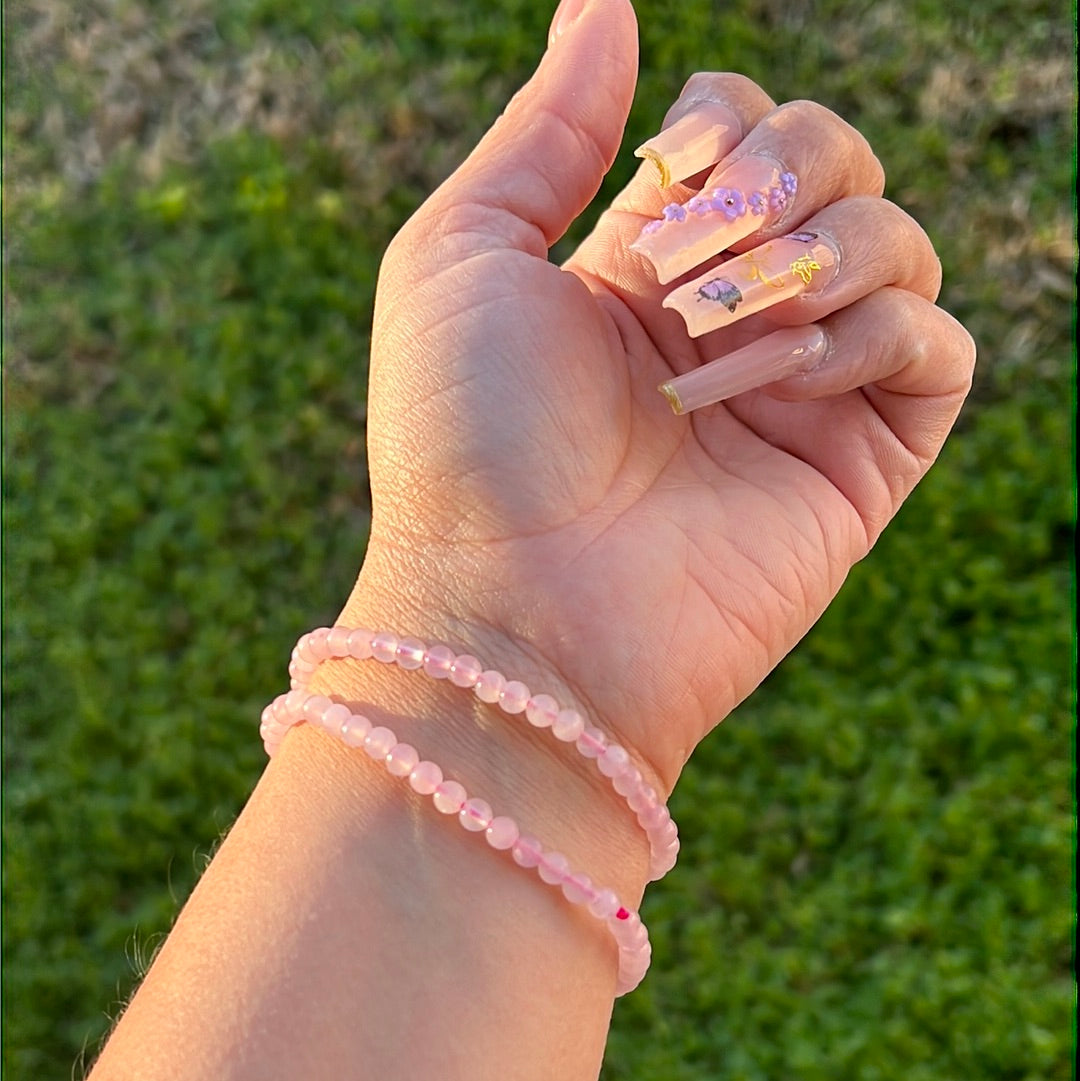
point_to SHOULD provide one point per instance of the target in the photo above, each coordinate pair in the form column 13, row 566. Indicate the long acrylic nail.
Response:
column 694, row 142
column 783, row 353
column 742, row 199
column 756, row 280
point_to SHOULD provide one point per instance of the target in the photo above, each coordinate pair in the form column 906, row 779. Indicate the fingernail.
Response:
column 745, row 197
column 754, row 281
column 693, row 143
column 565, row 14
column 790, row 351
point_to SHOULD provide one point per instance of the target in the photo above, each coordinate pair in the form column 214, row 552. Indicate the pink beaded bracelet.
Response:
column 513, row 697
column 475, row 815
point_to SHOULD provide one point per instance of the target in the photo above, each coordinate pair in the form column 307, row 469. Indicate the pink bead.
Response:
column 526, row 851
column 410, row 653
column 613, row 761
column 360, row 644
column 294, row 700
column 465, row 671
column 667, row 834
column 425, row 778
column 299, row 676
column 316, row 644
column 335, row 717
column 354, row 731
column 337, row 641
column 653, row 817
column 553, row 868
column 384, row 647
column 379, row 742
column 514, row 697
column 662, row 863
column 541, row 710
column 578, row 889
column 568, row 725
column 490, row 686
column 402, row 760
column 604, row 904
column 449, row 797
column 272, row 733
column 437, row 661
column 502, row 833
column 314, row 708
column 642, row 798
column 627, row 784
column 299, row 665
column 592, row 743
column 475, row 815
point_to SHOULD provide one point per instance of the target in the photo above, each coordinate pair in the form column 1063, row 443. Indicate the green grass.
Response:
column 877, row 880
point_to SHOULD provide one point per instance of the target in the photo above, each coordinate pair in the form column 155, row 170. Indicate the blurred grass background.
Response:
column 877, row 879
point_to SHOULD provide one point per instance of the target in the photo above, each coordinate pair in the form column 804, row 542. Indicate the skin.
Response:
column 536, row 503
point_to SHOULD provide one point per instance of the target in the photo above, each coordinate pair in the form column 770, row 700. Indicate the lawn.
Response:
column 877, row 880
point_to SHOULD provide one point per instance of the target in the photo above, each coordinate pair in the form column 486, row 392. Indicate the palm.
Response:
column 662, row 571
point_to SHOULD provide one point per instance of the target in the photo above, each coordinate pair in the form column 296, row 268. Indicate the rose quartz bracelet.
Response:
column 540, row 710
column 475, row 815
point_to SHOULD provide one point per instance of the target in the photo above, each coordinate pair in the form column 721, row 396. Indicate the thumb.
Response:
column 545, row 157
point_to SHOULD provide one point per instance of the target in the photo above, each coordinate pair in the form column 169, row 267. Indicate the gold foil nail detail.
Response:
column 648, row 154
column 805, row 266
column 757, row 272
column 672, row 396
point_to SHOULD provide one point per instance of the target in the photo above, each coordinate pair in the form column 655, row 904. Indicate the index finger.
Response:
column 713, row 114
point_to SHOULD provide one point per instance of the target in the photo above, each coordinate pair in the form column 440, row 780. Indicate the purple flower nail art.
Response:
column 674, row 212
column 698, row 205
column 757, row 203
column 789, row 182
column 777, row 199
column 729, row 201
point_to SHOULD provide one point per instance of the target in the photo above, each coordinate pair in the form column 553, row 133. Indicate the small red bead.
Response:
column 622, row 914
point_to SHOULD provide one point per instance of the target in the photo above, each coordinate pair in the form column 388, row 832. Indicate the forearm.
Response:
column 346, row 929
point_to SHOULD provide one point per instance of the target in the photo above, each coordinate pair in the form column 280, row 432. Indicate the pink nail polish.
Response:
column 783, row 353
column 693, row 143
column 744, row 198
column 758, row 279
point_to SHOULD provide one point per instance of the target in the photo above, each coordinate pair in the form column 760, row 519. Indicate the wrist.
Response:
column 543, row 782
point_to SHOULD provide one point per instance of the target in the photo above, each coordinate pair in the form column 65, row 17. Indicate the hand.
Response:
column 534, row 498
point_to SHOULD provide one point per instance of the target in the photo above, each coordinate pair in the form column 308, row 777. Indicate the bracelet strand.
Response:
column 513, row 697
column 475, row 815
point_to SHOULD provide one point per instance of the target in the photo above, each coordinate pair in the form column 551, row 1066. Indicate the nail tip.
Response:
column 672, row 396
column 638, row 248
column 646, row 153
